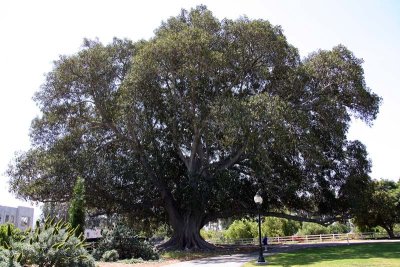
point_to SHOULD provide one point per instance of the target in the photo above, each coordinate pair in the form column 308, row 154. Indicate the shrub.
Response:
column 51, row 244
column 338, row 228
column 242, row 229
column 313, row 229
column 9, row 232
column 124, row 240
column 212, row 234
column 110, row 255
column 8, row 258
column 290, row 227
column 273, row 226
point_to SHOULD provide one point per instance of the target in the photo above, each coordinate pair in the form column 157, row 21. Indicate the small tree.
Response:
column 273, row 226
column 308, row 228
column 76, row 211
column 242, row 229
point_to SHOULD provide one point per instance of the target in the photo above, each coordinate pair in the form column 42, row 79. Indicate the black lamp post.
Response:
column 258, row 200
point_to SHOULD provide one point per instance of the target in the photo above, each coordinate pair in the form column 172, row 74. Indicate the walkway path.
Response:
column 235, row 260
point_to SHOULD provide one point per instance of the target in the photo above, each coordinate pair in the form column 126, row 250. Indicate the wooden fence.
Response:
column 300, row 239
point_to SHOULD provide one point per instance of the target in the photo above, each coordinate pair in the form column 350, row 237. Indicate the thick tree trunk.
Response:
column 390, row 231
column 186, row 235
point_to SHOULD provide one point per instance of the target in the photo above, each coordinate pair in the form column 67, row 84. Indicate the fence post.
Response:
column 306, row 238
column 347, row 239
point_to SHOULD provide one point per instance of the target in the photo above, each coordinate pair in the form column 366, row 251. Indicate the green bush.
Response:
column 313, row 229
column 290, row 227
column 110, row 255
column 317, row 229
column 8, row 258
column 242, row 229
column 212, row 234
column 273, row 227
column 9, row 232
column 51, row 244
column 124, row 240
column 338, row 228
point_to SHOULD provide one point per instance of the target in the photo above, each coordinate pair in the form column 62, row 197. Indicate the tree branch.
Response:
column 323, row 221
column 226, row 163
column 194, row 148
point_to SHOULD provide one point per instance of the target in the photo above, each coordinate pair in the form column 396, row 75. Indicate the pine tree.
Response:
column 76, row 210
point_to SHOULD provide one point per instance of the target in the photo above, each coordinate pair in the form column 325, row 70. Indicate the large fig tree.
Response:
column 186, row 127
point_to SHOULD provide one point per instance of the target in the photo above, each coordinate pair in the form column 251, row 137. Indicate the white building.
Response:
column 21, row 217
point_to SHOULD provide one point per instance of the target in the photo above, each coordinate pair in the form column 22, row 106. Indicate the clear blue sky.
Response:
column 34, row 33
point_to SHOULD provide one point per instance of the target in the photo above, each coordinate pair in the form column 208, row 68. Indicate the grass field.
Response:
column 365, row 255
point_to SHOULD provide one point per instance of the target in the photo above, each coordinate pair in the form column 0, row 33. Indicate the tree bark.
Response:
column 186, row 234
column 390, row 231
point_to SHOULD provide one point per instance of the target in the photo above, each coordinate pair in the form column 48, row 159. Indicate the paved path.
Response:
column 235, row 260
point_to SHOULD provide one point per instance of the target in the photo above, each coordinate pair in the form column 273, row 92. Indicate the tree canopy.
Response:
column 187, row 126
column 378, row 206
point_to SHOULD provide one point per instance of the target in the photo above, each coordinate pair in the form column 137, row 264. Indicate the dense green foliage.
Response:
column 379, row 206
column 273, row 227
column 9, row 232
column 127, row 244
column 184, row 128
column 76, row 212
column 313, row 229
column 110, row 255
column 51, row 244
column 213, row 234
column 242, row 229
column 8, row 258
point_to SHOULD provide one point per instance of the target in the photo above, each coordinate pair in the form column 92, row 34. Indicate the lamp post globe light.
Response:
column 258, row 200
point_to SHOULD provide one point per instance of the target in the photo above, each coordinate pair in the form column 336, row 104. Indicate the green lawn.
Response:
column 382, row 255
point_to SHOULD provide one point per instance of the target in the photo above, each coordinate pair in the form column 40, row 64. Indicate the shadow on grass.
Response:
column 353, row 252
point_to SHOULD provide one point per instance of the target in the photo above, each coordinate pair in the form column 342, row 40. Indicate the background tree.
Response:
column 76, row 212
column 56, row 210
column 380, row 206
column 243, row 228
column 279, row 227
column 184, row 128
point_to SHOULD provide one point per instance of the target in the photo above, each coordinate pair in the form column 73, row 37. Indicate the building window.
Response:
column 7, row 218
column 12, row 219
column 24, row 221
